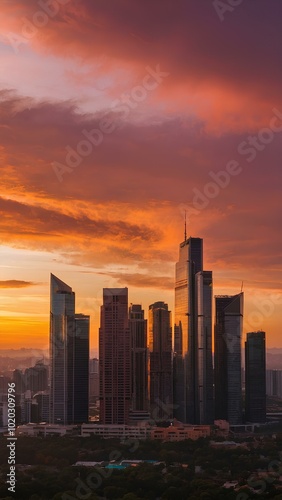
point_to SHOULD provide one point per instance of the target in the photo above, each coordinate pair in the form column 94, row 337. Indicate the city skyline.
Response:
column 142, row 371
column 115, row 121
column 269, row 305
column 140, row 248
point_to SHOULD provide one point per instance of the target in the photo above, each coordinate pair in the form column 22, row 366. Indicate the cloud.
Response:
column 124, row 202
column 139, row 280
column 229, row 81
column 16, row 284
column 40, row 221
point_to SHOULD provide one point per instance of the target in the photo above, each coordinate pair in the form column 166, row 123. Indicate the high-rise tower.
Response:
column 193, row 390
column 69, row 357
column 204, row 373
column 160, row 346
column 227, row 358
column 78, row 371
column 139, row 358
column 114, row 357
column 255, row 377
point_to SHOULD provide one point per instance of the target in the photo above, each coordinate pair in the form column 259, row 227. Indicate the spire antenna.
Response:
column 185, row 228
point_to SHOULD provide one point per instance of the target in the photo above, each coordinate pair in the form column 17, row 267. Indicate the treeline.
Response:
column 50, row 475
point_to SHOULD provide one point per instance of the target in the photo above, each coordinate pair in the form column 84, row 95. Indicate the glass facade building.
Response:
column 160, row 347
column 69, row 357
column 115, row 357
column 139, row 358
column 227, row 358
column 193, row 390
column 255, row 377
column 204, row 297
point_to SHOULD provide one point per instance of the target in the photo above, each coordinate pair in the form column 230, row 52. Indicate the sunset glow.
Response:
column 113, row 123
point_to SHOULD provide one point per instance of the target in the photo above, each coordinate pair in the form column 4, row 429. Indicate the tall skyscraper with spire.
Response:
column 227, row 357
column 69, row 357
column 193, row 374
column 115, row 357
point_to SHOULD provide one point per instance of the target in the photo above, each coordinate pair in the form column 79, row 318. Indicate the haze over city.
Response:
column 115, row 121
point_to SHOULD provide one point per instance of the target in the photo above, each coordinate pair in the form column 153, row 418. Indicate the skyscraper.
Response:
column 160, row 346
column 193, row 390
column 78, row 371
column 94, row 389
column 255, row 377
column 114, row 357
column 227, row 358
column 274, row 383
column 69, row 357
column 36, row 377
column 205, row 399
column 139, row 358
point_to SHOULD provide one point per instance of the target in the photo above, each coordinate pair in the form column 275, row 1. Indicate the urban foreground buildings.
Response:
column 193, row 374
column 142, row 377
column 69, row 357
column 138, row 378
column 227, row 358
column 255, row 377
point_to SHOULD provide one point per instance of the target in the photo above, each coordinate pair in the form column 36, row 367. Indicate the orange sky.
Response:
column 173, row 96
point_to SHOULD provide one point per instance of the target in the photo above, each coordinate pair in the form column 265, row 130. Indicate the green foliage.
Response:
column 48, row 473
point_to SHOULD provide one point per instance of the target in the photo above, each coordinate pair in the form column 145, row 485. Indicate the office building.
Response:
column 43, row 400
column 114, row 357
column 139, row 358
column 274, row 383
column 193, row 375
column 36, row 377
column 227, row 358
column 19, row 381
column 69, row 357
column 204, row 372
column 78, row 371
column 94, row 380
column 160, row 347
column 255, row 378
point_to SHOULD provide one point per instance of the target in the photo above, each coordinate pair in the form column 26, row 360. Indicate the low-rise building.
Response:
column 116, row 431
column 180, row 432
column 171, row 433
column 44, row 430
